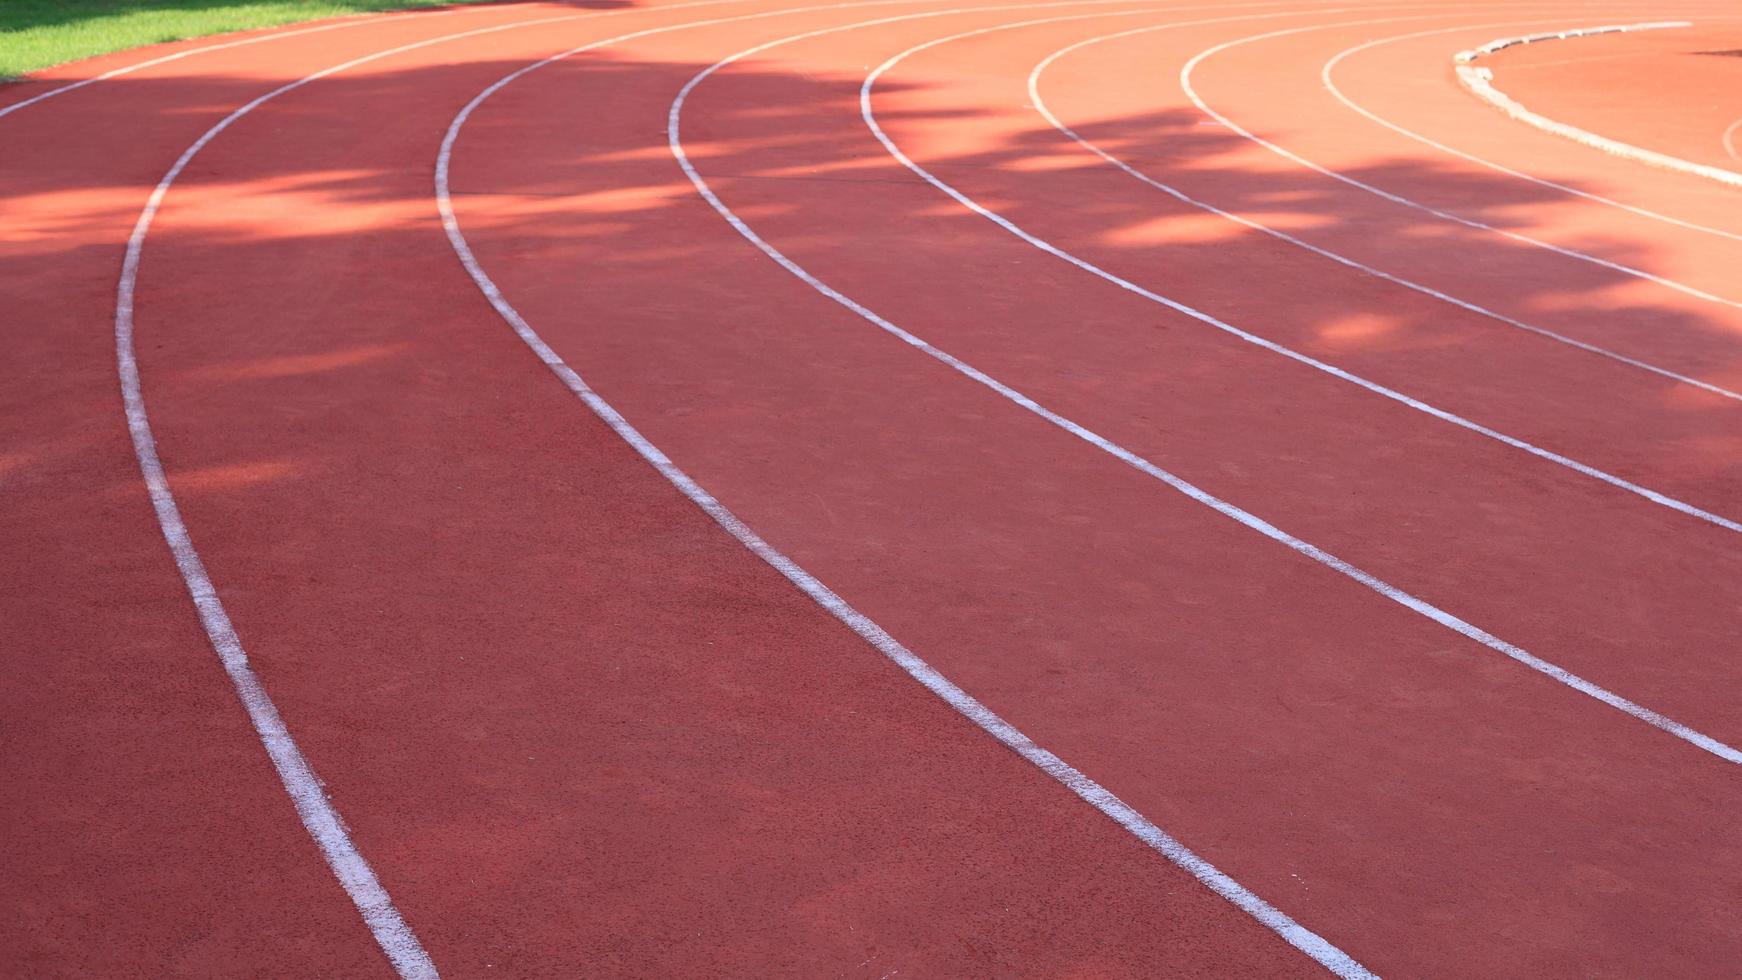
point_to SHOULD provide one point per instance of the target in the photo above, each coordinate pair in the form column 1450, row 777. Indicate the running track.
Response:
column 1211, row 401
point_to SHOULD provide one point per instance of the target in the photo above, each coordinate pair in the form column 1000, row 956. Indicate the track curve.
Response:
column 577, row 729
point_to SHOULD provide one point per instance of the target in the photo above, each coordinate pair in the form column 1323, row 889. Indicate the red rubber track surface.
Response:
column 578, row 730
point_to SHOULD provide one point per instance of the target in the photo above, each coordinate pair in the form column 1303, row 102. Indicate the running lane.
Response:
column 1429, row 802
column 576, row 729
column 146, row 835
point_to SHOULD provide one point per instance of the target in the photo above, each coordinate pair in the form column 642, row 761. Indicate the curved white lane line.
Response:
column 1270, row 345
column 356, row 20
column 1417, row 605
column 1185, row 79
column 1479, row 81
column 1091, row 792
column 319, row 817
column 1046, row 113
column 1326, row 77
column 1729, row 139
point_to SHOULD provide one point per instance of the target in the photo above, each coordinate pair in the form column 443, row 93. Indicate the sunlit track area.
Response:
column 874, row 489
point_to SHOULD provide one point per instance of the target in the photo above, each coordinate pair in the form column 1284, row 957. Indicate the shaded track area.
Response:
column 576, row 728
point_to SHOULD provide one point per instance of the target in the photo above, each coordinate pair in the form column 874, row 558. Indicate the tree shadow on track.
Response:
column 390, row 489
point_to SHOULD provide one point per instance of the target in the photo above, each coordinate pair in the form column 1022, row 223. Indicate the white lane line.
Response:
column 319, row 817
column 1326, row 77
column 355, row 20
column 1185, row 79
column 1417, row 605
column 1480, row 83
column 1046, row 113
column 1270, row 345
column 1729, row 139
column 1091, row 792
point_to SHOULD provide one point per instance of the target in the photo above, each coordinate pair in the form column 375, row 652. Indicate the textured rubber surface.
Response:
column 579, row 730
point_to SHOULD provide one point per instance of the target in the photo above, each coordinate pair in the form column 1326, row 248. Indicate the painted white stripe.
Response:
column 1315, row 946
column 1729, row 139
column 1408, row 601
column 355, row 20
column 1325, row 76
column 318, row 815
column 1040, row 106
column 1627, row 270
column 1479, row 81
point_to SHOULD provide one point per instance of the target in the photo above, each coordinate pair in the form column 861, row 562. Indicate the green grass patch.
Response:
column 39, row 33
